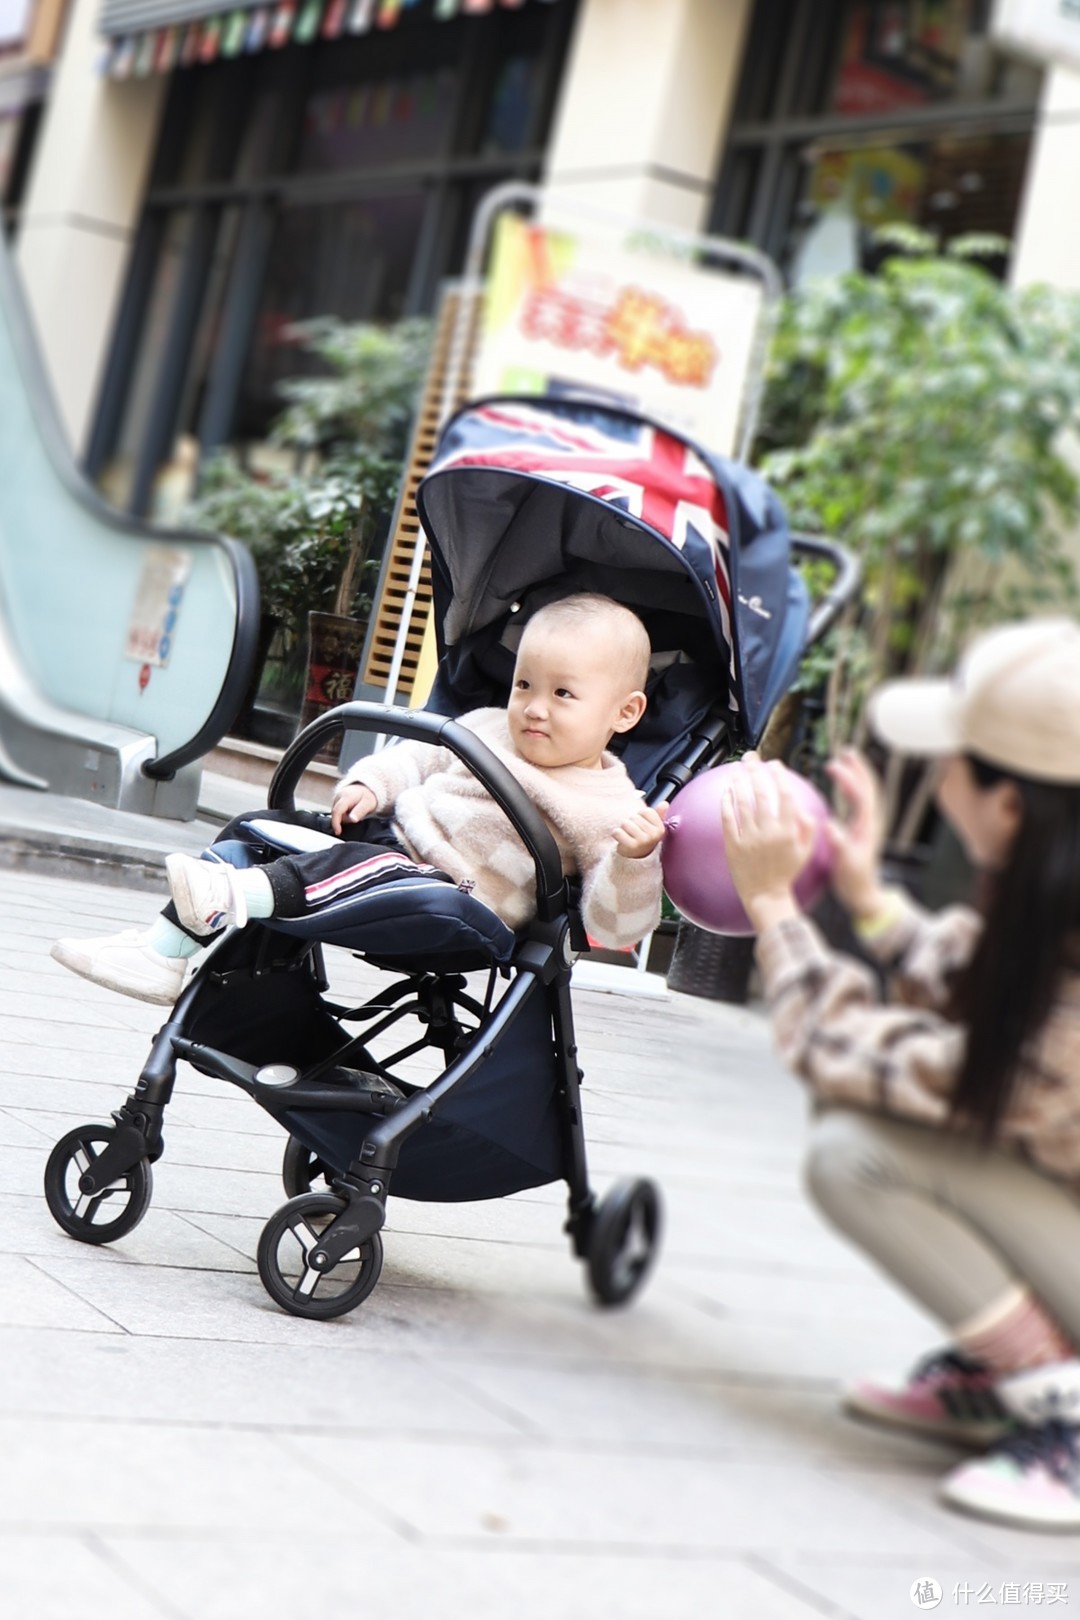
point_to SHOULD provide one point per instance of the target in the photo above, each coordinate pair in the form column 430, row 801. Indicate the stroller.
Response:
column 526, row 501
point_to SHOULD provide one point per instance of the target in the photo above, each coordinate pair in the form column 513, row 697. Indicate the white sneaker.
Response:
column 125, row 962
column 206, row 894
column 1032, row 1477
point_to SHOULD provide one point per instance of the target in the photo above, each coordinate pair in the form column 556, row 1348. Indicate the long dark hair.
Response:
column 1030, row 938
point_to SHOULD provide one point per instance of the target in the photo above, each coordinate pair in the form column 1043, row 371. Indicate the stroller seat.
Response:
column 412, row 917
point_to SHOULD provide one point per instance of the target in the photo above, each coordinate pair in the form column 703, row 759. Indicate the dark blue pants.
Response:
column 367, row 854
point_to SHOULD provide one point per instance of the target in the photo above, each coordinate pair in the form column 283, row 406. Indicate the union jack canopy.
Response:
column 561, row 494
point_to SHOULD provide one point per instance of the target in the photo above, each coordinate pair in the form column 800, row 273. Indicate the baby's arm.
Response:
column 620, row 893
column 373, row 785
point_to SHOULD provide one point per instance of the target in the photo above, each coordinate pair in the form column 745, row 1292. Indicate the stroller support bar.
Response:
column 706, row 747
column 419, row 726
column 840, row 592
column 276, row 1098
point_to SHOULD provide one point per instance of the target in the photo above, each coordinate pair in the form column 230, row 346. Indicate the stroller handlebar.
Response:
column 419, row 726
column 840, row 592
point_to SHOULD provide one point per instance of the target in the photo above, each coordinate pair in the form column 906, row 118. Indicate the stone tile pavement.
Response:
column 477, row 1439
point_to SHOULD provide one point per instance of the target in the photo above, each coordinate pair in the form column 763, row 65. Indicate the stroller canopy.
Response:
column 529, row 498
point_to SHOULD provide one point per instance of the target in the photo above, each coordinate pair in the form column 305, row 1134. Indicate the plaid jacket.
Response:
column 901, row 1057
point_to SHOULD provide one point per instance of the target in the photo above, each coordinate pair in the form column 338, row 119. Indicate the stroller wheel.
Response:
column 99, row 1217
column 623, row 1240
column 301, row 1170
column 289, row 1237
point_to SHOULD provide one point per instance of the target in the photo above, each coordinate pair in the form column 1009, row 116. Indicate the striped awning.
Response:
column 155, row 36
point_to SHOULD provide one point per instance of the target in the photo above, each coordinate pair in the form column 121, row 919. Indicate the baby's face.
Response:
column 569, row 695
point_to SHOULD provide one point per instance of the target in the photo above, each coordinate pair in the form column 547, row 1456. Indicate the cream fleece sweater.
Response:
column 443, row 815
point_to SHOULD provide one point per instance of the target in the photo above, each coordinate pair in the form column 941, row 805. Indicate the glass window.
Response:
column 398, row 119
column 118, row 477
column 950, row 184
column 351, row 162
column 268, row 134
column 208, row 330
column 351, row 259
column 878, row 111
column 203, row 119
column 510, row 116
column 897, row 54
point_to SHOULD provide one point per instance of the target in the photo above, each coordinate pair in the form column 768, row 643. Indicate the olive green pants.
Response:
column 953, row 1224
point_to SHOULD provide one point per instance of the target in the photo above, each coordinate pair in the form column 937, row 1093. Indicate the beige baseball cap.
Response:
column 1014, row 702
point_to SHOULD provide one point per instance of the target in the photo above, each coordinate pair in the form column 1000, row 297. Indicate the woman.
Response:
column 946, row 1143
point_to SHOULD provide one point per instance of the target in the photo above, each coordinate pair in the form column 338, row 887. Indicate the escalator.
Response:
column 125, row 649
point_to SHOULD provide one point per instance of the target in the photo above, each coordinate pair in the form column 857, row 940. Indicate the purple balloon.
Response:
column 696, row 874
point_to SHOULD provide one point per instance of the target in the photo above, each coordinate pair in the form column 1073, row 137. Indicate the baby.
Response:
column 578, row 679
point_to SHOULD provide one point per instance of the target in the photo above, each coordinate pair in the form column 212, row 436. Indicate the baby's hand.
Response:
column 640, row 833
column 352, row 802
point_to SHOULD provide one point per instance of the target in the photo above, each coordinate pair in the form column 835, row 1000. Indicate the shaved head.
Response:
column 598, row 621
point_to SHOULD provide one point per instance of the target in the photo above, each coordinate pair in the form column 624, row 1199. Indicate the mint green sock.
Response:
column 254, row 885
column 169, row 940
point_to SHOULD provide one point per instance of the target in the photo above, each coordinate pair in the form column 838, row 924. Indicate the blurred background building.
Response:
column 198, row 180
column 183, row 183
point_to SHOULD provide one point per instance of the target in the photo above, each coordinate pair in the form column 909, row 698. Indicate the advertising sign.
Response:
column 157, row 606
column 1048, row 30
column 647, row 331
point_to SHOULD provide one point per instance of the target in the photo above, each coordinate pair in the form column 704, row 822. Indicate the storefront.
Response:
column 334, row 174
column 853, row 114
column 29, row 34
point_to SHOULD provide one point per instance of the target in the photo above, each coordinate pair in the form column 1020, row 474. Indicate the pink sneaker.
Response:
column 947, row 1397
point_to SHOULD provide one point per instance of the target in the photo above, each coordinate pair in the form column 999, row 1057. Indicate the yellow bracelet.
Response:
column 869, row 928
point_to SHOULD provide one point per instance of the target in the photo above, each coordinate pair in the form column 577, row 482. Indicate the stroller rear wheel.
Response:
column 302, row 1171
column 289, row 1237
column 101, row 1216
column 623, row 1240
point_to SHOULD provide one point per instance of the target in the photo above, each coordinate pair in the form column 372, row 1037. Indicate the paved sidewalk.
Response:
column 46, row 832
column 477, row 1439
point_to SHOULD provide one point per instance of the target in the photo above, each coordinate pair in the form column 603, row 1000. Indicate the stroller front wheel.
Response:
column 287, row 1240
column 301, row 1169
column 624, row 1237
column 103, row 1215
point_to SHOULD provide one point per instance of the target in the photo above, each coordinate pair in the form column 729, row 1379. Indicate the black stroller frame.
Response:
column 255, row 1015
column 617, row 1236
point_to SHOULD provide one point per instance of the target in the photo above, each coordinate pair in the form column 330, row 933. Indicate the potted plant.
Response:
column 316, row 531
column 923, row 415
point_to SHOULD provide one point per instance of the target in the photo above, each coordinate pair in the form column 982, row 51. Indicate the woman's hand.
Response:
column 640, row 833
column 857, row 838
column 352, row 802
column 768, row 838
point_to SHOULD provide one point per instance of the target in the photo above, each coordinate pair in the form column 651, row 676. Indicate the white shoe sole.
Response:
column 68, row 955
column 973, row 1503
